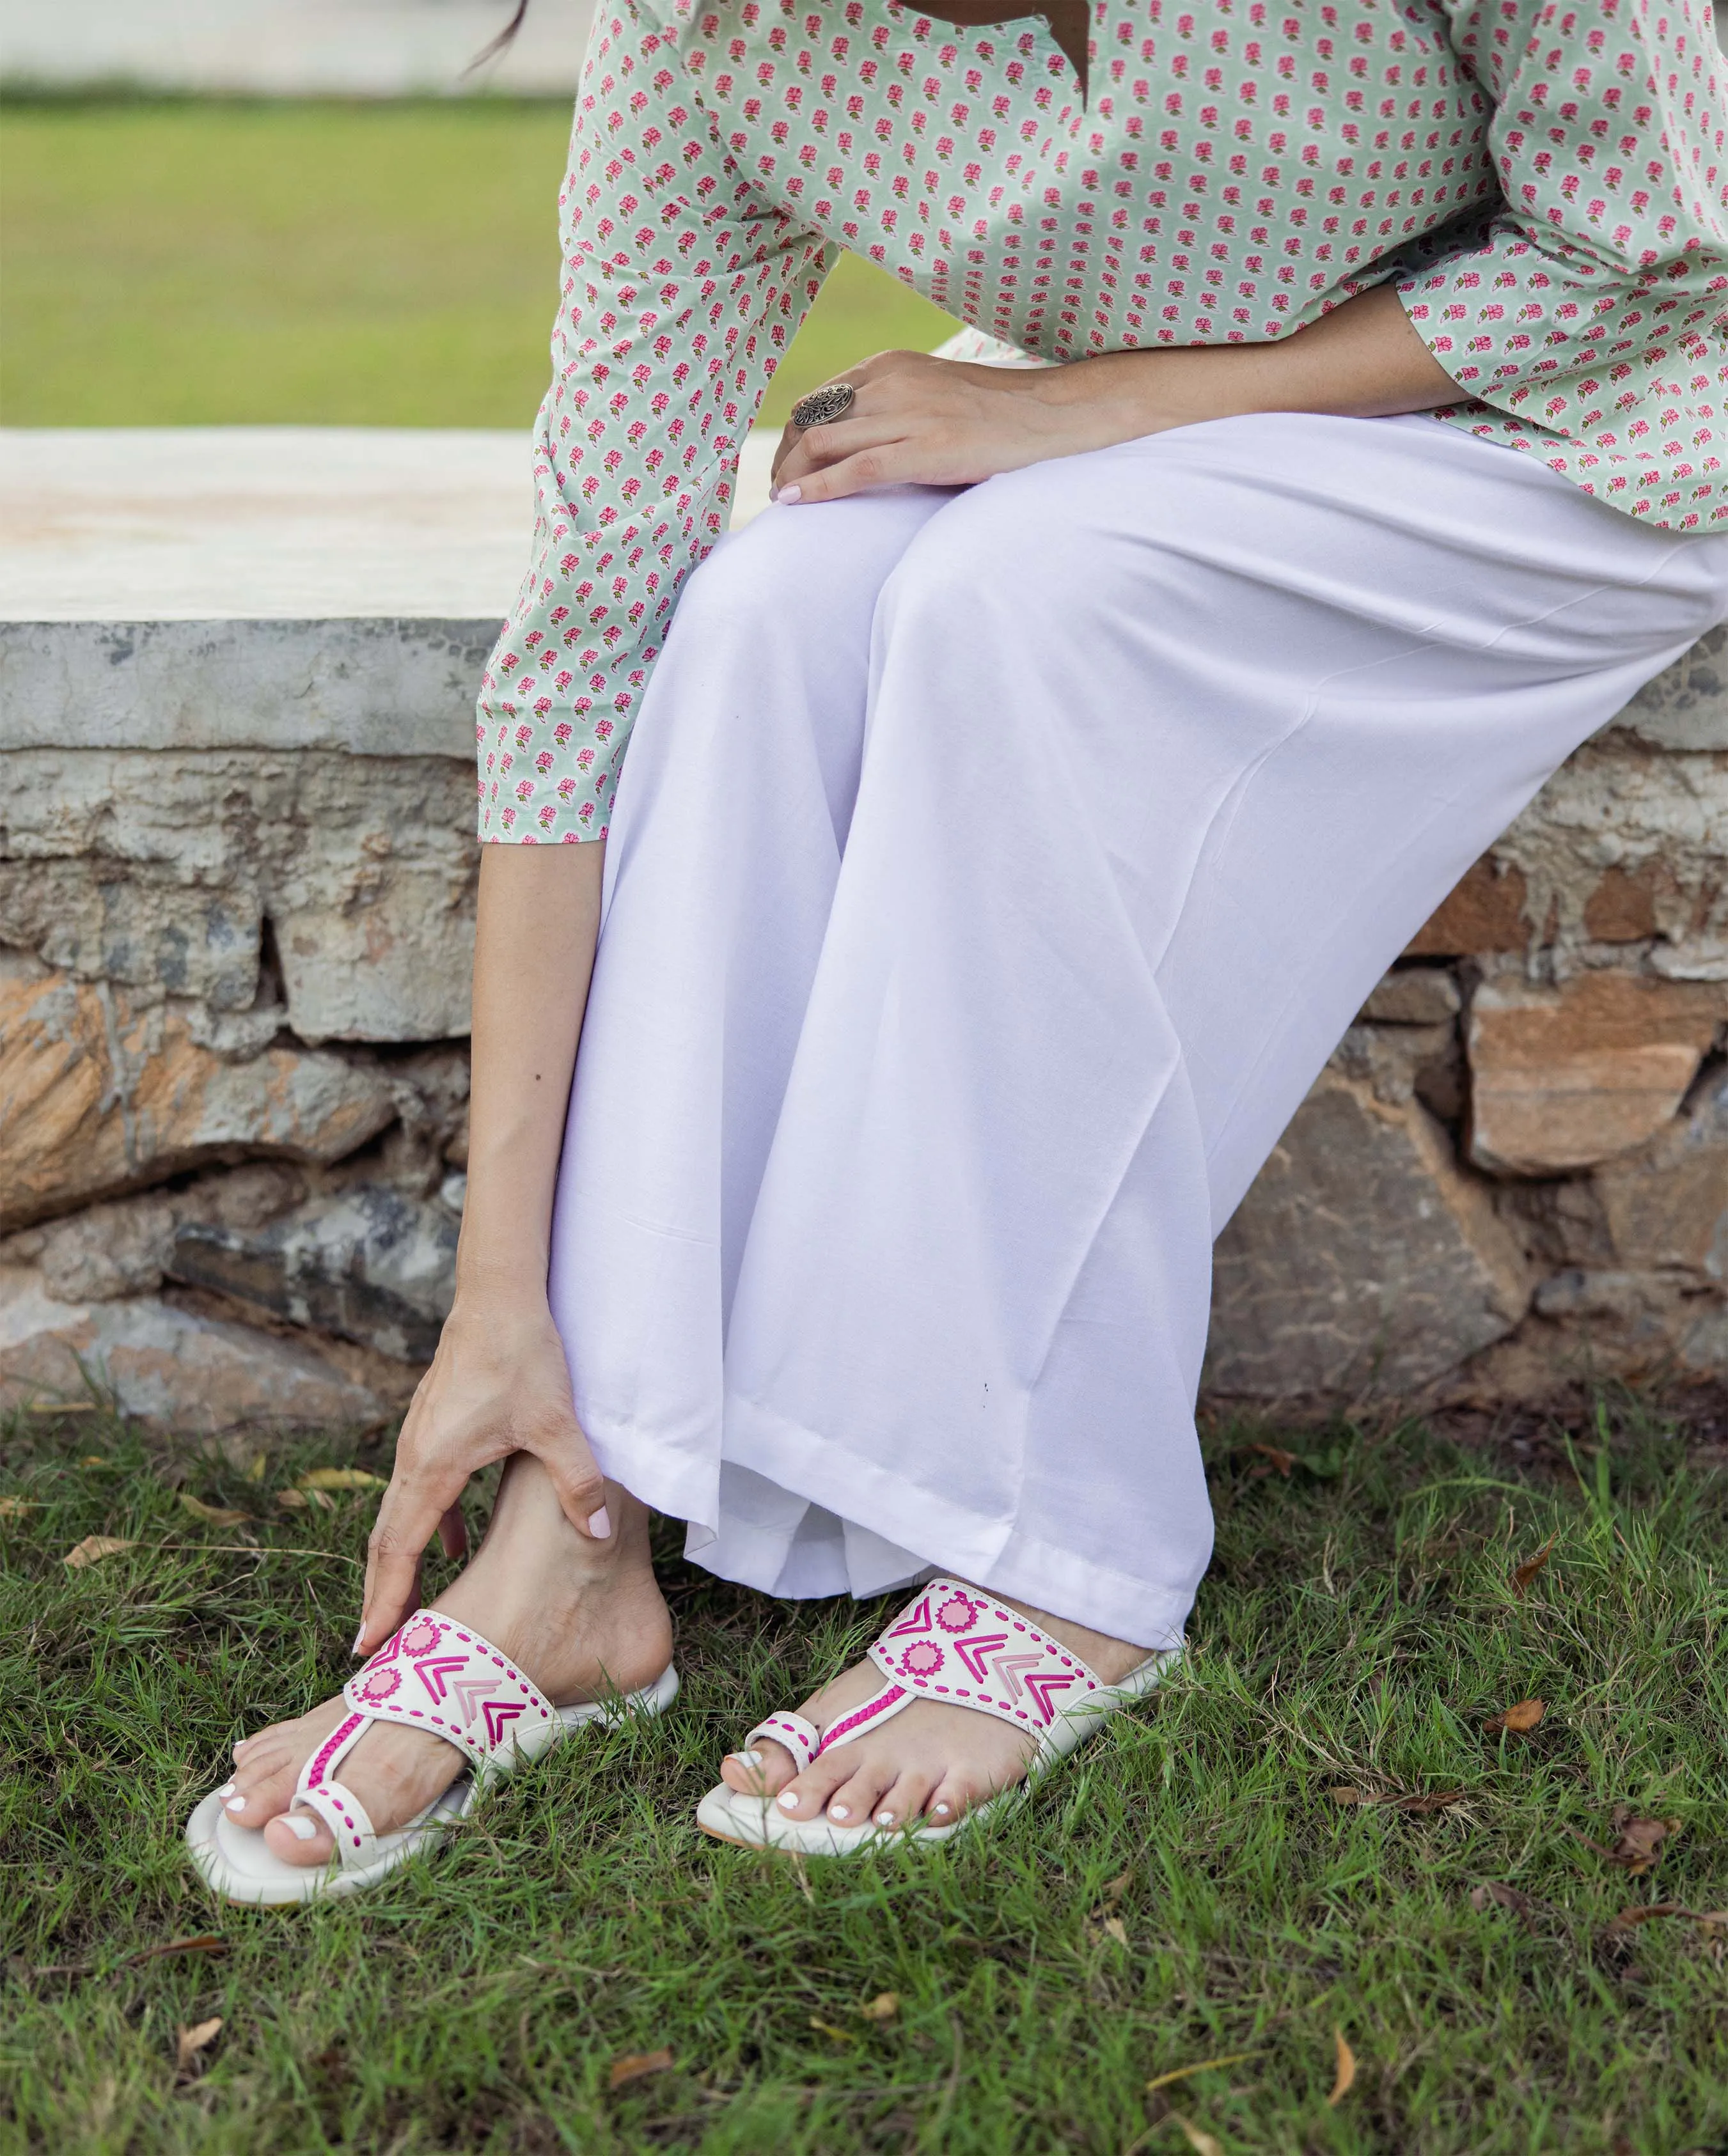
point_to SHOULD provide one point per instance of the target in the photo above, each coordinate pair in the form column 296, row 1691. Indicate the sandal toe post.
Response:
column 435, row 1674
column 956, row 1644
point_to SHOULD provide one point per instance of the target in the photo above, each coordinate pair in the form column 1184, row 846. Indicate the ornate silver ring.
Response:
column 833, row 401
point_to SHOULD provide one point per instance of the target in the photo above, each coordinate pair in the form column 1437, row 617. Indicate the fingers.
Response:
column 581, row 1487
column 412, row 1508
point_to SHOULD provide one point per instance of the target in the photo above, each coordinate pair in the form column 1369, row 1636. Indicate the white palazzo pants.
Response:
column 992, row 873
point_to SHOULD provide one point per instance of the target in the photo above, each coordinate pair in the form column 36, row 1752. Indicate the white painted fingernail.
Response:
column 838, row 1811
column 747, row 1758
column 226, row 1790
column 600, row 1524
column 299, row 1827
column 358, row 1637
column 235, row 1804
column 885, row 1819
column 788, row 1800
column 773, row 494
column 790, row 493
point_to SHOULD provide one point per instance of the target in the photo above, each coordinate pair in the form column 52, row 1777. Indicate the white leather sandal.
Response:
column 952, row 1644
column 434, row 1675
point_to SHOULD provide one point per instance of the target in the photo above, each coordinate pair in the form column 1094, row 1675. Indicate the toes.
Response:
column 299, row 1837
column 261, row 1788
column 809, row 1793
column 903, row 1803
column 951, row 1799
column 855, row 1802
column 760, row 1772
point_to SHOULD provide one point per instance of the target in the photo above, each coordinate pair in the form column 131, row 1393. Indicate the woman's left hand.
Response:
column 918, row 421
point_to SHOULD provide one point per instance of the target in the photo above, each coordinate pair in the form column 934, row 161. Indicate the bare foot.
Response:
column 582, row 1618
column 930, row 1762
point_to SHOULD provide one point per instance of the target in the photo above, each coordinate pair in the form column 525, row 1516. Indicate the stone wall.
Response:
column 236, row 923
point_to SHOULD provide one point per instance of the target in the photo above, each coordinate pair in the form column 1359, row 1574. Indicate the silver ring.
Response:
column 833, row 401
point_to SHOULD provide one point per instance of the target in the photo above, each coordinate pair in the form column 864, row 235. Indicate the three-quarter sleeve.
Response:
column 1591, row 309
column 682, row 287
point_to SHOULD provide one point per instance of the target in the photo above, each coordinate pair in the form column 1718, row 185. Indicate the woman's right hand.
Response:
column 498, row 1384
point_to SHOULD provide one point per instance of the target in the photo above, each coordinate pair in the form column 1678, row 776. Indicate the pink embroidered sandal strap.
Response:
column 801, row 1738
column 438, row 1676
column 954, row 1644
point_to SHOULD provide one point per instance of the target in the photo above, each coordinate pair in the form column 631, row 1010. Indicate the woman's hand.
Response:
column 498, row 1384
column 918, row 421
column 924, row 421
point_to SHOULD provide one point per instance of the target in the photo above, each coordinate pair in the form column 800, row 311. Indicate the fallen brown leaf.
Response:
column 1200, row 2066
column 93, row 1460
column 1115, row 1888
column 1638, row 1848
column 1346, row 2080
column 637, row 2065
column 883, row 2007
column 1203, row 2142
column 1518, row 1720
column 1523, row 1574
column 1347, row 1793
column 291, row 1501
column 1117, row 1929
column 1495, row 1892
column 219, row 1516
column 198, row 2037
column 1282, row 1461
column 1437, row 1801
column 1629, row 1920
column 10, row 1507
column 339, row 1478
column 92, row 1549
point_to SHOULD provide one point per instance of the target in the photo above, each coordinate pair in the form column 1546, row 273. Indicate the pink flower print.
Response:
column 524, row 735
column 603, row 729
column 567, row 789
column 586, row 812
column 562, row 731
column 584, row 757
column 524, row 790
column 922, row 1659
column 422, row 1636
column 376, row 1685
column 958, row 1612
column 543, row 762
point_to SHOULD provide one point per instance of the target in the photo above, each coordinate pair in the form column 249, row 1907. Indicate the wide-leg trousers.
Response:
column 991, row 873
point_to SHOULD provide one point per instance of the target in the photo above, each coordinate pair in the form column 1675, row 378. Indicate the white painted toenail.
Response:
column 942, row 1811
column 747, row 1758
column 885, row 1819
column 789, row 1800
column 299, row 1827
column 838, row 1811
column 235, row 1804
column 226, row 1790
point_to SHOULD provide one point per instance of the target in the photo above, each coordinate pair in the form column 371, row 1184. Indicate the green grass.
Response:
column 182, row 264
column 1358, row 1627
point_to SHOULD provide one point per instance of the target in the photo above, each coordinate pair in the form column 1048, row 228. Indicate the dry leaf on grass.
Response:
column 10, row 1507
column 1200, row 2066
column 1347, row 1793
column 1203, row 2142
column 338, row 1478
column 62, row 1406
column 1523, row 1574
column 198, row 2037
column 1517, row 1720
column 1436, row 1800
column 291, row 1501
column 1629, row 1920
column 1276, row 1457
column 219, row 1516
column 828, row 2028
column 95, row 1460
column 1117, row 1929
column 92, row 1549
column 1639, row 1846
column 1496, row 1893
column 637, row 2065
column 1346, row 2078
column 883, row 2007
column 1115, row 1888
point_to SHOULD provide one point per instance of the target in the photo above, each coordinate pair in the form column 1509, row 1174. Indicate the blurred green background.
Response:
column 360, row 264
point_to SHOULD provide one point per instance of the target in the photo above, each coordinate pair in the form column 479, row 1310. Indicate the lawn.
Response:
column 183, row 264
column 1192, row 1889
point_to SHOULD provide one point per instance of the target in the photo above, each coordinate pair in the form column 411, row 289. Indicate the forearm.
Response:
column 1362, row 361
column 534, row 947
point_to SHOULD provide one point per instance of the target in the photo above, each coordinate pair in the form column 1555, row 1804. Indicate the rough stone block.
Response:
column 1668, row 1208
column 1414, row 995
column 98, row 1096
column 1563, row 1078
column 1484, row 912
column 369, row 1265
column 168, row 1364
column 1687, row 706
column 1362, row 1260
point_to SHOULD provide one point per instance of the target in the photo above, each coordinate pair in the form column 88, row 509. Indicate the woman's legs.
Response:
column 1168, row 749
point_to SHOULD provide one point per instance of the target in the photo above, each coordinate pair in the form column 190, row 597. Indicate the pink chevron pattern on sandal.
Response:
column 432, row 1674
column 954, row 1644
